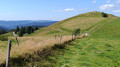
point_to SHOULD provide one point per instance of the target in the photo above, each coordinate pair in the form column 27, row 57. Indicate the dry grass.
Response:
column 32, row 44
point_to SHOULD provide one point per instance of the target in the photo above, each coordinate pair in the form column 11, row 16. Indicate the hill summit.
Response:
column 83, row 21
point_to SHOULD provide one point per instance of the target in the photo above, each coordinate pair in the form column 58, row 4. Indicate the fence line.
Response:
column 9, row 48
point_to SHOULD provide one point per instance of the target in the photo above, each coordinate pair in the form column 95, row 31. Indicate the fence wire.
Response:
column 31, row 49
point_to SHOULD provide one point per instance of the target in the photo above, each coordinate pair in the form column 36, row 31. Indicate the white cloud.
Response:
column 108, row 1
column 117, row 11
column 107, row 7
column 94, row 1
column 71, row 9
column 118, row 1
column 68, row 9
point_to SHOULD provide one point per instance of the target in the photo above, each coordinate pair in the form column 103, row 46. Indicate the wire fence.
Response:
column 41, row 46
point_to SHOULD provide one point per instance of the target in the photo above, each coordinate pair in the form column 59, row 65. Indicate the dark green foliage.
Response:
column 17, row 29
column 104, row 14
column 36, row 28
column 29, row 30
column 12, row 30
column 76, row 32
column 32, row 30
column 24, row 30
column 3, row 31
column 21, row 32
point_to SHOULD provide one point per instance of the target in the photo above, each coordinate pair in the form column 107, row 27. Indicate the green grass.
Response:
column 109, row 31
column 100, row 49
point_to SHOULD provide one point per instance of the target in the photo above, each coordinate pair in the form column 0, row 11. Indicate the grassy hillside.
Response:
column 38, row 40
column 109, row 31
column 83, row 21
column 100, row 49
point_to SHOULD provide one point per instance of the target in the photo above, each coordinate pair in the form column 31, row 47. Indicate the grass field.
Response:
column 44, row 38
column 100, row 49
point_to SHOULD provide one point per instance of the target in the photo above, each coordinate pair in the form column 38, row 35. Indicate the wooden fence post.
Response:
column 72, row 36
column 15, row 37
column 8, row 53
column 60, row 39
column 17, row 41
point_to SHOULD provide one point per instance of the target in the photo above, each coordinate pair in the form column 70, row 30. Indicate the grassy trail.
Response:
column 86, row 52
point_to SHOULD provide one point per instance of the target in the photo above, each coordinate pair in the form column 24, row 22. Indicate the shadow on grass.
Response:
column 38, row 56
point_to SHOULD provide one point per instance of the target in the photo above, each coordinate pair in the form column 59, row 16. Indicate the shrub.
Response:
column 76, row 32
column 104, row 14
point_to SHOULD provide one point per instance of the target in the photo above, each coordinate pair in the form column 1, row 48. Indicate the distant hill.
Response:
column 83, row 21
column 1, row 27
column 13, row 24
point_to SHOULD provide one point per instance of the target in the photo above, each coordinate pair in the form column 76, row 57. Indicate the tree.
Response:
column 20, row 33
column 17, row 29
column 28, row 30
column 76, row 32
column 32, row 30
column 24, row 30
column 36, row 28
column 104, row 14
column 3, row 31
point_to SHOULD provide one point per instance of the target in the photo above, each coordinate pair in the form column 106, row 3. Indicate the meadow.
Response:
column 100, row 49
column 81, row 52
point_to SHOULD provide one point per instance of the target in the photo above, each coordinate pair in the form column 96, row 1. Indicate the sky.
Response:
column 54, row 9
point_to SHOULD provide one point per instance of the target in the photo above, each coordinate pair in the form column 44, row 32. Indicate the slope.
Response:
column 100, row 49
column 83, row 21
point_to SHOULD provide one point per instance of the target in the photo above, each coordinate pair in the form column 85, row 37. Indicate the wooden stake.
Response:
column 8, row 53
column 60, row 39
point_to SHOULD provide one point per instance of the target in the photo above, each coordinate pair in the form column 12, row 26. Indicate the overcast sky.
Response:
column 54, row 9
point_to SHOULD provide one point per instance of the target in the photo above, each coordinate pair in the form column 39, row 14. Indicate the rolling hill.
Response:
column 100, row 49
column 1, row 27
column 83, row 21
column 41, row 40
column 14, row 24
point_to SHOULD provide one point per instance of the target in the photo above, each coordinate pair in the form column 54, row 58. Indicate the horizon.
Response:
column 54, row 10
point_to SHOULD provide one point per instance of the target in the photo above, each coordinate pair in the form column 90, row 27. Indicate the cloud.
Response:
column 108, row 1
column 94, row 1
column 118, row 1
column 71, row 9
column 108, row 7
column 117, row 11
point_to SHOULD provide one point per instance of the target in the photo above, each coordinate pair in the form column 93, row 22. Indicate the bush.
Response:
column 104, row 14
column 76, row 32
column 36, row 28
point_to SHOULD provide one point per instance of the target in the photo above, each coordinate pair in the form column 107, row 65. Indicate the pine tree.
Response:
column 17, row 29
column 20, row 33
column 28, row 30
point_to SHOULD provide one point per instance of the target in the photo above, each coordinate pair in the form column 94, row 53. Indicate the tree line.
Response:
column 3, row 31
column 25, row 30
